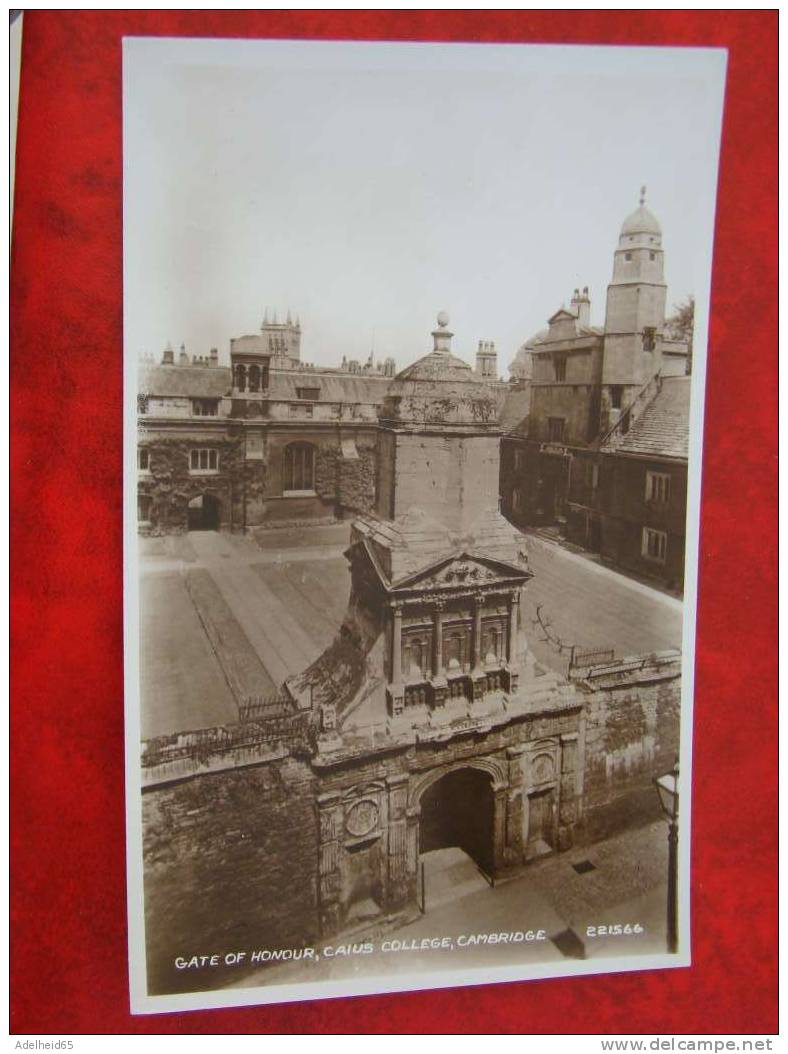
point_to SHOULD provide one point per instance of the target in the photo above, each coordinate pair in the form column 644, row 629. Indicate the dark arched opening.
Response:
column 457, row 811
column 204, row 513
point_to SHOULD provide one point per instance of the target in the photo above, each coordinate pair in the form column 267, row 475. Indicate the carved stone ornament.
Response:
column 543, row 768
column 362, row 818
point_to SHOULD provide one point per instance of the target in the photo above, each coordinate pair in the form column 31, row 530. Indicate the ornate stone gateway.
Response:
column 437, row 729
column 504, row 797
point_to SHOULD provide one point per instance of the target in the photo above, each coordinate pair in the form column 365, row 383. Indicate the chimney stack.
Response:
column 487, row 361
column 581, row 305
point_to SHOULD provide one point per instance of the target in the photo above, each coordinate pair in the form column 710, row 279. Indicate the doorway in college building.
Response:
column 203, row 513
column 455, row 837
column 540, row 822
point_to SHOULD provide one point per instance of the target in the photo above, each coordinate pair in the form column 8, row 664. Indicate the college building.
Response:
column 594, row 423
column 425, row 726
column 601, row 457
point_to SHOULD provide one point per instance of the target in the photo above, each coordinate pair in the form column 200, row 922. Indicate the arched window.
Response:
column 240, row 377
column 254, row 378
column 492, row 643
column 455, row 651
column 415, row 657
column 299, row 467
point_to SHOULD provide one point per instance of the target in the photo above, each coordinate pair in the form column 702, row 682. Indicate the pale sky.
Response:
column 367, row 187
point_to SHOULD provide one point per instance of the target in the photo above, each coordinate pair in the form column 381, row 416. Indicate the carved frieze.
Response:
column 362, row 818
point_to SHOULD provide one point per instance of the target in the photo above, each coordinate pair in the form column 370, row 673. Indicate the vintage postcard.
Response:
column 415, row 345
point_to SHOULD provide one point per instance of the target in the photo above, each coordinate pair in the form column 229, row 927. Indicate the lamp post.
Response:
column 667, row 787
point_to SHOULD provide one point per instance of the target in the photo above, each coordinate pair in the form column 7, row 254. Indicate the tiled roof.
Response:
column 207, row 382
column 334, row 386
column 662, row 430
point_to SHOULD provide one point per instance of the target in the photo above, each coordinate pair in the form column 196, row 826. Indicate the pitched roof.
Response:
column 208, row 382
column 662, row 430
column 334, row 386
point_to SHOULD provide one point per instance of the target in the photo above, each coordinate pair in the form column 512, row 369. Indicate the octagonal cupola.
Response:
column 439, row 389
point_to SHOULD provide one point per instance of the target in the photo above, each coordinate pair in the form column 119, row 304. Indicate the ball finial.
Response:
column 443, row 318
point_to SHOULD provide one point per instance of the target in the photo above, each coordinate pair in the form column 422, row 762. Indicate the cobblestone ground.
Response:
column 627, row 888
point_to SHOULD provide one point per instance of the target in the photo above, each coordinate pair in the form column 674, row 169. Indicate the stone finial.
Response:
column 642, row 195
column 441, row 336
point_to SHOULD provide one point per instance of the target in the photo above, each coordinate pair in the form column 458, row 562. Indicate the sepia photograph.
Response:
column 415, row 339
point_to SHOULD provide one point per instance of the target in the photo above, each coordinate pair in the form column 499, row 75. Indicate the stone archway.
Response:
column 458, row 811
column 204, row 513
column 462, row 805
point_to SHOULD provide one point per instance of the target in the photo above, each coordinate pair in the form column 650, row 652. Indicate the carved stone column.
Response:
column 395, row 691
column 439, row 683
column 413, row 817
column 515, row 844
column 437, row 642
column 478, row 607
column 514, row 672
column 398, row 884
column 499, row 827
column 329, row 876
column 569, row 803
column 478, row 676
column 396, row 643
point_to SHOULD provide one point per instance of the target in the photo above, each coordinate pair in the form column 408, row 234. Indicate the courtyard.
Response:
column 225, row 618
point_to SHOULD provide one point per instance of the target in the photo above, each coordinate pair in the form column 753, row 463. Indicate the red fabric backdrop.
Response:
column 68, row 932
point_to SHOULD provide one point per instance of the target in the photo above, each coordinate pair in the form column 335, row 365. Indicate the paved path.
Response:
column 593, row 606
column 626, row 886
column 289, row 590
column 181, row 683
column 284, row 646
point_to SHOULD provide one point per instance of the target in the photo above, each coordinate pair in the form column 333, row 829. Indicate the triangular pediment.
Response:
column 466, row 571
column 561, row 314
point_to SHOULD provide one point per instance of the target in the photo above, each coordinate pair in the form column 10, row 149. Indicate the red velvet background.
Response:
column 68, row 929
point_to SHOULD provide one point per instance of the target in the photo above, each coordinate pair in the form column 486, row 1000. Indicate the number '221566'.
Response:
column 615, row 930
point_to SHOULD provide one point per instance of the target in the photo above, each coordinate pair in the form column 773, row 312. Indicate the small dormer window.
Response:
column 308, row 393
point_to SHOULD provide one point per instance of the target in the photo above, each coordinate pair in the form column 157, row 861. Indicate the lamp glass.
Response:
column 668, row 791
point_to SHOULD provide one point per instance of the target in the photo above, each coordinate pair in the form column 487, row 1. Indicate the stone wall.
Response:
column 631, row 735
column 171, row 486
column 347, row 481
column 230, row 861
column 453, row 479
column 273, row 853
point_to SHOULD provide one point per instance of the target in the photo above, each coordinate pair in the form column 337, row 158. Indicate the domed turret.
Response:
column 640, row 222
column 635, row 315
column 439, row 389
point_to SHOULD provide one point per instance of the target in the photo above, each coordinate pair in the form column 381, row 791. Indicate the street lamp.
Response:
column 668, row 793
